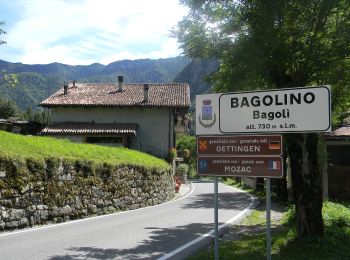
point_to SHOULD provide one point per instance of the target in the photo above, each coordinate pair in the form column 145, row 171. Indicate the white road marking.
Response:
column 96, row 217
column 210, row 233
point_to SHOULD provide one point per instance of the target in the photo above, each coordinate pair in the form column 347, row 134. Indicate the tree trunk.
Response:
column 307, row 183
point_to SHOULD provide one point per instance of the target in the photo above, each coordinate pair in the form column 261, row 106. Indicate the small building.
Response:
column 338, row 170
column 145, row 117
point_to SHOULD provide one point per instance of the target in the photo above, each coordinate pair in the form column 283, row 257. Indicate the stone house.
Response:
column 145, row 117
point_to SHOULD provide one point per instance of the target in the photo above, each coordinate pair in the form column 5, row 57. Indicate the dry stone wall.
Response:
column 51, row 190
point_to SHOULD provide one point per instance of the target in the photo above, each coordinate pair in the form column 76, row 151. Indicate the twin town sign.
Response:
column 249, row 156
column 274, row 111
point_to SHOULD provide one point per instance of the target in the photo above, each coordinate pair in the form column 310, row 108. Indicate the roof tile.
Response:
column 174, row 95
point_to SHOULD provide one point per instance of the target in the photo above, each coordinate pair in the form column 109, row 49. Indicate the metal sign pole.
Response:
column 268, row 220
column 216, row 219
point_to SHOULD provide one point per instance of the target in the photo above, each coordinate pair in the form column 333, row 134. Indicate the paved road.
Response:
column 147, row 233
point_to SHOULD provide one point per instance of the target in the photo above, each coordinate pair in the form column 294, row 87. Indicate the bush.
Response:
column 182, row 168
column 336, row 214
column 186, row 145
column 172, row 154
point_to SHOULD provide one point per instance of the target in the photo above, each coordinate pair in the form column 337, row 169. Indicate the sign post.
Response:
column 216, row 219
column 296, row 110
column 268, row 219
column 245, row 156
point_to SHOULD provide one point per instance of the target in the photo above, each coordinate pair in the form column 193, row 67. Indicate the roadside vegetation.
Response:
column 335, row 244
column 46, row 147
column 186, row 148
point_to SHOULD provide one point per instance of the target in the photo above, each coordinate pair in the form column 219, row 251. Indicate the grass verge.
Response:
column 285, row 245
column 38, row 146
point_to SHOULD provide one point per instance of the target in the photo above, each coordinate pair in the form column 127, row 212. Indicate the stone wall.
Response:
column 41, row 191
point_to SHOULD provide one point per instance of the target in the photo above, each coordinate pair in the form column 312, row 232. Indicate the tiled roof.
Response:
column 72, row 128
column 174, row 95
column 342, row 131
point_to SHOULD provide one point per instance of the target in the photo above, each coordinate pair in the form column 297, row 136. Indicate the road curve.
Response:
column 161, row 231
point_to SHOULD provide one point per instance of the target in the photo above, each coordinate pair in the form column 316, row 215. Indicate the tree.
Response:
column 2, row 32
column 10, row 78
column 8, row 109
column 278, row 44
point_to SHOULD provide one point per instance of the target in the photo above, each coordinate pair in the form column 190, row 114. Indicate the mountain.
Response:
column 38, row 81
column 195, row 73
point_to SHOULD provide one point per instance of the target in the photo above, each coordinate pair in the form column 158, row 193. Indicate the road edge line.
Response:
column 211, row 232
column 52, row 225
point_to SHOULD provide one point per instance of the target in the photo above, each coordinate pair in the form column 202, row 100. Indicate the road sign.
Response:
column 265, row 167
column 240, row 145
column 275, row 111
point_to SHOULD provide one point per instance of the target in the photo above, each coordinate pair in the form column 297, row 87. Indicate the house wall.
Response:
column 155, row 132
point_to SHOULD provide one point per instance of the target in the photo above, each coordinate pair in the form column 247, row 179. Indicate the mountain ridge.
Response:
column 36, row 82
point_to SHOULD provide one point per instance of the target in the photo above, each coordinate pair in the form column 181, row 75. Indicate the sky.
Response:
column 82, row 32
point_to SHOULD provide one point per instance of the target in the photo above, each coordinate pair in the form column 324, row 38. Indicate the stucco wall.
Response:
column 153, row 124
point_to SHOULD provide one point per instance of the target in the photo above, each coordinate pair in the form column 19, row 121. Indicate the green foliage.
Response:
column 187, row 144
column 17, row 174
column 38, row 147
column 336, row 214
column 8, row 78
column 172, row 154
column 8, row 109
column 277, row 44
column 182, row 168
column 272, row 44
column 285, row 245
column 34, row 116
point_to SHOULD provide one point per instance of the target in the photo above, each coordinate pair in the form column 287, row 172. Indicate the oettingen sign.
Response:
column 240, row 145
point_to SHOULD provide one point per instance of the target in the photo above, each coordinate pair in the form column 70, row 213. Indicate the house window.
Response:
column 105, row 140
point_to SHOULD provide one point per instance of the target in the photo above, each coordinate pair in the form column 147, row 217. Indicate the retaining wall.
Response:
column 51, row 190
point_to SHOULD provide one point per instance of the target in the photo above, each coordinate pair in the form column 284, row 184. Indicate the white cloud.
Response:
column 83, row 32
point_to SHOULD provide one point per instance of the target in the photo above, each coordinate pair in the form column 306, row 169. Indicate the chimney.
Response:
column 120, row 83
column 65, row 89
column 145, row 92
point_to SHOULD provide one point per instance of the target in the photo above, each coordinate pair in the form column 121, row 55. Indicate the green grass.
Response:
column 285, row 245
column 37, row 146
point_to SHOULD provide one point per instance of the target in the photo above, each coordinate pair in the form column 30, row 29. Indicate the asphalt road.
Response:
column 148, row 233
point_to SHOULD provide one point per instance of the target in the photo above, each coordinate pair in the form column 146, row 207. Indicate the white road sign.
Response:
column 275, row 111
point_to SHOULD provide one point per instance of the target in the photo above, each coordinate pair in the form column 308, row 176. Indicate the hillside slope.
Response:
column 195, row 73
column 37, row 82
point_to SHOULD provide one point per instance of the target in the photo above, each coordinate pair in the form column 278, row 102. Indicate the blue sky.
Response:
column 88, row 31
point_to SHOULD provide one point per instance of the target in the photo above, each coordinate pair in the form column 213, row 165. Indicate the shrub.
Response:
column 182, row 168
column 186, row 146
column 172, row 154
